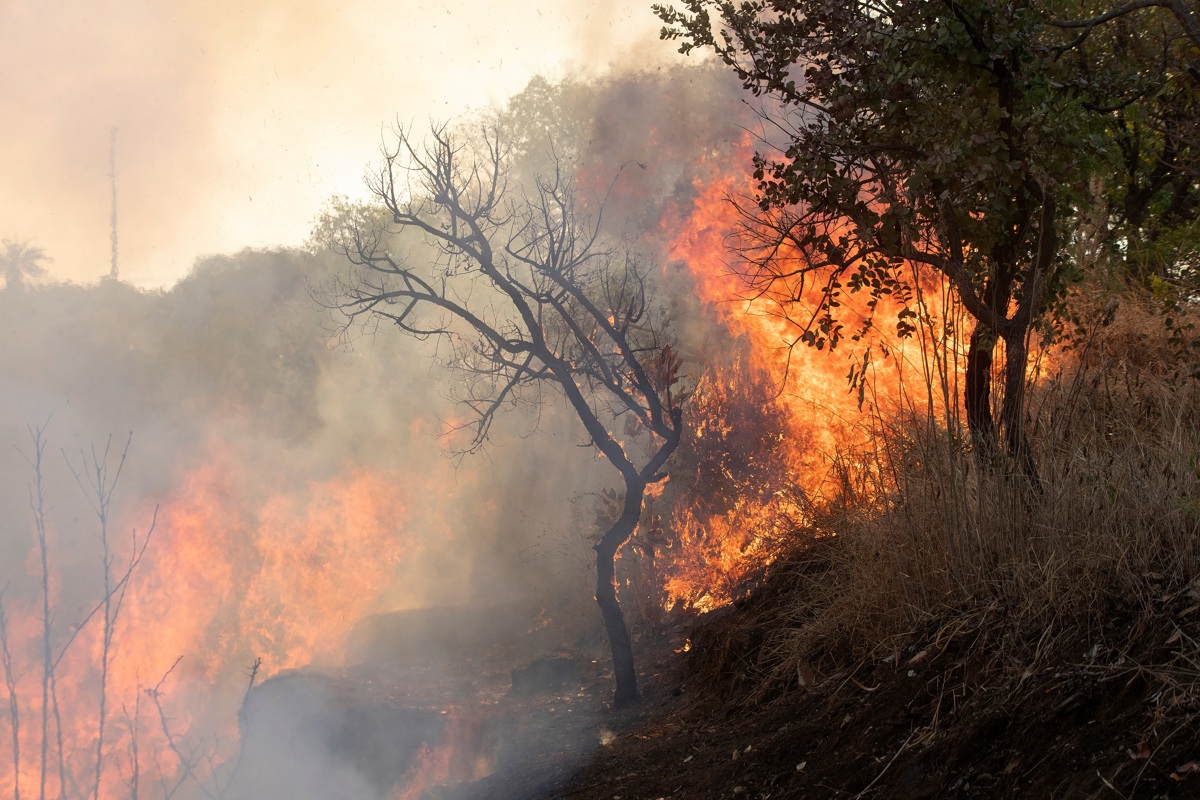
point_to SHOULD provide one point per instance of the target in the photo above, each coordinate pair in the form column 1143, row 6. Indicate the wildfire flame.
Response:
column 241, row 569
column 815, row 411
column 229, row 579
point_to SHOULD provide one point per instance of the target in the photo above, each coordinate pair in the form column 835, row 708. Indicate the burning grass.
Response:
column 962, row 634
column 929, row 537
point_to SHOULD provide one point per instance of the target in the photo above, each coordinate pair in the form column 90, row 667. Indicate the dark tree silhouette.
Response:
column 530, row 295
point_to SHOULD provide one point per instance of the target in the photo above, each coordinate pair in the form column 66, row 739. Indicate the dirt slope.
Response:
column 957, row 711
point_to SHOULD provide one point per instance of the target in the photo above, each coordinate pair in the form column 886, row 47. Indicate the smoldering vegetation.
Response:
column 264, row 443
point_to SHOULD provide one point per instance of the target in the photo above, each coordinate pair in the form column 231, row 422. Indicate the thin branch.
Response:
column 14, row 707
column 186, row 764
column 37, row 503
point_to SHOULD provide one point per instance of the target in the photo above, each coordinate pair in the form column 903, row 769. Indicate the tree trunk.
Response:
column 1012, row 412
column 978, row 400
column 978, row 396
column 981, row 424
column 606, row 594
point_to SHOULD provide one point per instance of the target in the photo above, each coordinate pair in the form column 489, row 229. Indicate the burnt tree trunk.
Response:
column 606, row 593
column 1016, row 352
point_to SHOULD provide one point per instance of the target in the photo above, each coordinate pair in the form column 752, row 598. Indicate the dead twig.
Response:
column 186, row 764
column 1108, row 783
column 887, row 766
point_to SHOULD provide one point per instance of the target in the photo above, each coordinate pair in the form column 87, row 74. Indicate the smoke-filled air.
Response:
column 229, row 482
column 602, row 423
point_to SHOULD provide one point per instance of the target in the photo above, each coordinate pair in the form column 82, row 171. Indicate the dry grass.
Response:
column 926, row 536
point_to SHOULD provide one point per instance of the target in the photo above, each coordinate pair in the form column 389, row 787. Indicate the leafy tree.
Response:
column 928, row 133
column 528, row 295
column 1137, row 66
column 20, row 263
column 1185, row 13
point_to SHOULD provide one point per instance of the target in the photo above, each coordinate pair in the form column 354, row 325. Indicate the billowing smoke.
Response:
column 304, row 491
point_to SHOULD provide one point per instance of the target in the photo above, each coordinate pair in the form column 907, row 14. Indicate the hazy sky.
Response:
column 237, row 120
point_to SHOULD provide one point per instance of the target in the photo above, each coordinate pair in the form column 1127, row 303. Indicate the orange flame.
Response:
column 816, row 412
column 458, row 756
column 227, row 579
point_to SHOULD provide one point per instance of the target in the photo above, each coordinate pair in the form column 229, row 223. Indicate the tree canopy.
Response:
column 1137, row 66
column 965, row 137
column 20, row 262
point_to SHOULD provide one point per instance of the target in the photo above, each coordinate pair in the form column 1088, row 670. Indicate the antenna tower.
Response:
column 112, row 176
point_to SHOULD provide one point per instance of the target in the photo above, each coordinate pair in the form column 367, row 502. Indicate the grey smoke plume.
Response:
column 235, row 368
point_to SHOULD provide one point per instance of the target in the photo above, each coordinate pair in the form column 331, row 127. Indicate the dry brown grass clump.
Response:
column 931, row 536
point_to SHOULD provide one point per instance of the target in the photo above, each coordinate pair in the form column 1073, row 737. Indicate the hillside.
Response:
column 962, row 707
column 942, row 630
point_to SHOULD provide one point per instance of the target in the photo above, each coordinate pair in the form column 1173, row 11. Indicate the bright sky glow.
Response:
column 238, row 119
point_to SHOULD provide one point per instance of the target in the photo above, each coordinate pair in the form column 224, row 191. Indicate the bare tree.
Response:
column 98, row 480
column 37, row 504
column 529, row 295
column 98, row 485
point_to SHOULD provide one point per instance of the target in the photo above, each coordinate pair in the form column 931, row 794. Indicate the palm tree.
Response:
column 19, row 262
